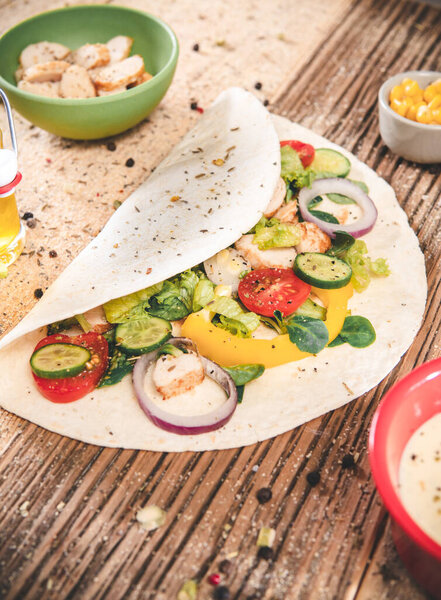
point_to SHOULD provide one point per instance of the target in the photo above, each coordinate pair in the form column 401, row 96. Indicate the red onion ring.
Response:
column 337, row 185
column 185, row 425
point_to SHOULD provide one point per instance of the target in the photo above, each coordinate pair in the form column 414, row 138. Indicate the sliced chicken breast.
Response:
column 91, row 56
column 173, row 375
column 288, row 213
column 119, row 48
column 313, row 238
column 120, row 74
column 42, row 52
column 76, row 83
column 49, row 71
column 258, row 259
column 50, row 89
column 277, row 199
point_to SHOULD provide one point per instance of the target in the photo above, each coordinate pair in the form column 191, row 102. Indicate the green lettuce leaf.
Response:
column 232, row 317
column 363, row 267
column 292, row 170
column 117, row 310
column 270, row 233
column 203, row 293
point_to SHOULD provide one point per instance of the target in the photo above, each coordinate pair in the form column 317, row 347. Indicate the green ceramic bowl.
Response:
column 91, row 118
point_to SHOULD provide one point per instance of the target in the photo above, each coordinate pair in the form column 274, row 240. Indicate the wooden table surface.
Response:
column 77, row 536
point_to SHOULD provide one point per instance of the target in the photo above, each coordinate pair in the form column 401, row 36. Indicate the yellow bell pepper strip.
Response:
column 228, row 350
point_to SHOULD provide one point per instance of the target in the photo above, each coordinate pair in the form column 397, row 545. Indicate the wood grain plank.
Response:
column 332, row 540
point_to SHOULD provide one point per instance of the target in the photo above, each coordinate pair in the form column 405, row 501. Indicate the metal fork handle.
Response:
column 4, row 97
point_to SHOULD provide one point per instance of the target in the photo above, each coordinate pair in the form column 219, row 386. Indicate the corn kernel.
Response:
column 411, row 88
column 424, row 115
column 436, row 116
column 401, row 107
column 429, row 93
column 437, row 85
column 435, row 102
column 397, row 93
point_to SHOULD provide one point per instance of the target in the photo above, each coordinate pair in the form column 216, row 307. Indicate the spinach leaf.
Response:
column 240, row 390
column 242, row 374
column 119, row 363
column 314, row 202
column 341, row 199
column 358, row 332
column 341, row 243
column 308, row 334
column 338, row 341
column 324, row 216
column 59, row 326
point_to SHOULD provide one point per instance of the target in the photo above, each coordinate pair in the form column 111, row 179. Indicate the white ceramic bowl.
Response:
column 409, row 139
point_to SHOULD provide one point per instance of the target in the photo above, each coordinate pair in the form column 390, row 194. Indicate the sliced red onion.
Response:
column 185, row 425
column 337, row 185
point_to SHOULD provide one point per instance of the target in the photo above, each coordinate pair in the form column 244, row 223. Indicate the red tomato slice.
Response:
column 306, row 152
column 69, row 389
column 265, row 290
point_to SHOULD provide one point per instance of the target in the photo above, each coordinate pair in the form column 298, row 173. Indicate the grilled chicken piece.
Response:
column 111, row 92
column 51, row 89
column 19, row 74
column 143, row 78
column 91, row 56
column 119, row 48
column 49, row 71
column 120, row 74
column 313, row 238
column 174, row 375
column 288, row 213
column 42, row 52
column 258, row 259
column 277, row 199
column 76, row 83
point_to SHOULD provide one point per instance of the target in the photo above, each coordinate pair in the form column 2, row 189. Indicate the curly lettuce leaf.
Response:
column 363, row 267
column 203, row 293
column 292, row 170
column 232, row 318
column 271, row 233
column 117, row 310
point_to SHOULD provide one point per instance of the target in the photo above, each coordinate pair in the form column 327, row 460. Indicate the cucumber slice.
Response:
column 322, row 271
column 142, row 335
column 330, row 163
column 56, row 361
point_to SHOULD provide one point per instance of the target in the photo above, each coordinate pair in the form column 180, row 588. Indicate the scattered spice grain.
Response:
column 313, row 478
column 264, row 495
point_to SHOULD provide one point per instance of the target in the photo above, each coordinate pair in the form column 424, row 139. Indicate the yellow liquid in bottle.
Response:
column 11, row 231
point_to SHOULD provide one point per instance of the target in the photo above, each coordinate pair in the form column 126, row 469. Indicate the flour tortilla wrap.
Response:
column 285, row 396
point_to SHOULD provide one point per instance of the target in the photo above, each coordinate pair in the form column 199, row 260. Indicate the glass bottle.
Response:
column 12, row 232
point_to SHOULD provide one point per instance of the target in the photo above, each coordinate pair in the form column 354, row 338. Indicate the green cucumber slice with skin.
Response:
column 330, row 163
column 142, row 335
column 322, row 271
column 56, row 361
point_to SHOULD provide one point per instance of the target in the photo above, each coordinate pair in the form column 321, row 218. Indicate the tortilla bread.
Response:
column 284, row 397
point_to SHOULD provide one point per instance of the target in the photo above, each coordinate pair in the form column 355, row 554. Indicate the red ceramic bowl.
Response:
column 407, row 405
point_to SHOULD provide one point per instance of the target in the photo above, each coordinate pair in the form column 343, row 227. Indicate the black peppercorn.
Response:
column 258, row 85
column 313, row 478
column 111, row 146
column 196, row 47
column 27, row 215
column 53, row 253
column 38, row 293
column 265, row 552
column 221, row 593
column 265, row 102
column 347, row 462
column 225, row 566
column 194, row 106
column 130, row 162
column 264, row 495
